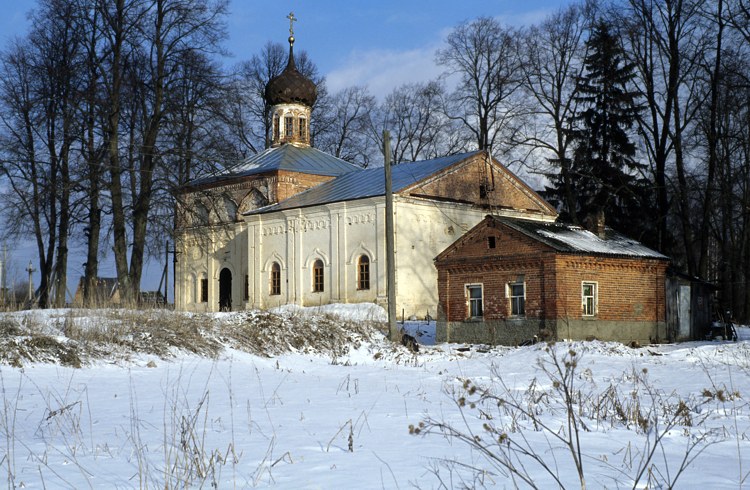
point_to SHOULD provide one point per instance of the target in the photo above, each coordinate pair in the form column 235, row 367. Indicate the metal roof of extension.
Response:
column 365, row 183
column 288, row 157
column 575, row 239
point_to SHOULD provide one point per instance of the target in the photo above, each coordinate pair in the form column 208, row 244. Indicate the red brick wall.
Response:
column 291, row 183
column 504, row 190
column 628, row 289
column 473, row 262
column 280, row 185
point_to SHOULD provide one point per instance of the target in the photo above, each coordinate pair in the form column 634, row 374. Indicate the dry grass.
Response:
column 77, row 337
column 267, row 334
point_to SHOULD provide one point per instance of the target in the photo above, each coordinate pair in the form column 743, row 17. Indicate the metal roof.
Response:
column 366, row 183
column 304, row 159
column 570, row 238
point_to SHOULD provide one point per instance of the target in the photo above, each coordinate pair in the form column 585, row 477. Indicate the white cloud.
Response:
column 384, row 70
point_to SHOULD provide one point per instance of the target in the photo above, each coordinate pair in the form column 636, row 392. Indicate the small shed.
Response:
column 689, row 306
column 510, row 280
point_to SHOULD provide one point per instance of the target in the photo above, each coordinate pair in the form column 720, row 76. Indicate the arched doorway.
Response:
column 225, row 290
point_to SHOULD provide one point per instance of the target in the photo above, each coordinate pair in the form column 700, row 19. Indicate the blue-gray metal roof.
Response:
column 366, row 183
column 574, row 239
column 286, row 157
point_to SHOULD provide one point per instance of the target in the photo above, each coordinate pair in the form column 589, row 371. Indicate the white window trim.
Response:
column 509, row 295
column 468, row 300
column 596, row 299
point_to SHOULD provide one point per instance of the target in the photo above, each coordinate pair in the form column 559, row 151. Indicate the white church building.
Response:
column 294, row 225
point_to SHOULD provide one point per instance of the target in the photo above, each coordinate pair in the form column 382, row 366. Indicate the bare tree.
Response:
column 167, row 29
column 552, row 56
column 712, row 66
column 483, row 56
column 249, row 108
column 415, row 116
column 41, row 95
column 661, row 42
column 343, row 125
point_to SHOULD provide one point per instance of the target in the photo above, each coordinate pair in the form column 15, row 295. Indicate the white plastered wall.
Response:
column 204, row 253
column 338, row 234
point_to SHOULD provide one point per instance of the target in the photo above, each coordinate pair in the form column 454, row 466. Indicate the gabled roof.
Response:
column 366, row 183
column 303, row 159
column 574, row 239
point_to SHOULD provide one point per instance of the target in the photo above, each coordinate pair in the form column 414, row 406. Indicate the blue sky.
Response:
column 381, row 44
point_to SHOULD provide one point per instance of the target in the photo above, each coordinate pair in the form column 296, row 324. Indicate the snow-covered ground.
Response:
column 353, row 421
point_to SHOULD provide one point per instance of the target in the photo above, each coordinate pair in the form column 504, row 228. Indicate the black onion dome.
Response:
column 291, row 87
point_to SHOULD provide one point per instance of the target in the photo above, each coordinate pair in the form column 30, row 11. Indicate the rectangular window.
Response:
column 247, row 287
column 204, row 290
column 289, row 126
column 474, row 294
column 302, row 128
column 588, row 298
column 517, row 295
column 490, row 242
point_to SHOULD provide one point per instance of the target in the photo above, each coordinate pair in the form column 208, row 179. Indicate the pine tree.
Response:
column 607, row 180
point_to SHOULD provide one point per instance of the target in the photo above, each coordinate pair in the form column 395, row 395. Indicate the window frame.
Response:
column 517, row 302
column 302, row 129
column 288, row 126
column 275, row 280
column 591, row 312
column 318, row 276
column 472, row 302
column 204, row 289
column 363, row 273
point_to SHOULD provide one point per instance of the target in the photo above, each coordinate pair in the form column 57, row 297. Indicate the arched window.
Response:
column 276, row 129
column 363, row 272
column 200, row 215
column 230, row 208
column 302, row 128
column 275, row 279
column 318, row 281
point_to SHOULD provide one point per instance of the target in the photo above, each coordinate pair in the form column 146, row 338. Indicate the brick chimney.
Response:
column 595, row 223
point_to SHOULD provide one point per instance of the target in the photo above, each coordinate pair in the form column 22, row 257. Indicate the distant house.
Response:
column 508, row 280
column 151, row 298
column 106, row 292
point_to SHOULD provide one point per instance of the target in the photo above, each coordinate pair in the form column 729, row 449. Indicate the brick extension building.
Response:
column 508, row 280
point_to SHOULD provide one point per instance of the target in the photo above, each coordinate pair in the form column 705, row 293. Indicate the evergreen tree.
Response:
column 606, row 178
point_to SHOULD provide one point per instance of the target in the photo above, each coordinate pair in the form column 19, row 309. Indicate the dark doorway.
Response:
column 225, row 290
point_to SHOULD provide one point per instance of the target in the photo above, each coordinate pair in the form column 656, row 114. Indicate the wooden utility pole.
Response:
column 390, row 254
column 3, row 273
column 166, row 274
column 31, row 270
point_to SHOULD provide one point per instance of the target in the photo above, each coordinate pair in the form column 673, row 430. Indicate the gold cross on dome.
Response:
column 292, row 20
